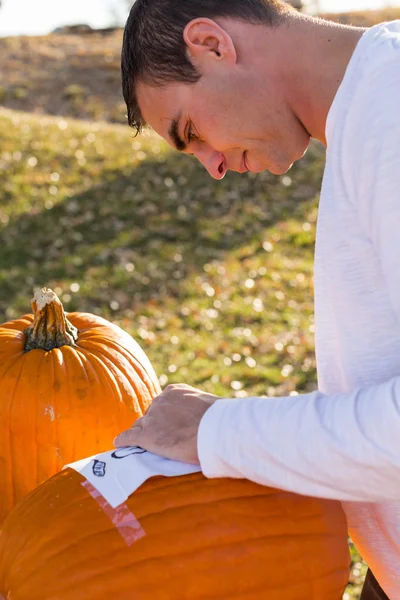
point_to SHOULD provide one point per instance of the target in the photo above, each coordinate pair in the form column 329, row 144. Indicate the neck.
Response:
column 318, row 53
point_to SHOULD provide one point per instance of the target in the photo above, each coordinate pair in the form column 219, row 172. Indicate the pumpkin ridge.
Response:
column 93, row 535
column 298, row 536
column 103, row 358
column 116, row 345
column 11, row 348
column 104, row 377
column 204, row 548
column 236, row 543
column 10, row 444
column 17, row 324
column 54, row 399
column 36, row 461
column 190, row 503
column 16, row 357
column 137, row 360
column 101, row 372
column 120, row 334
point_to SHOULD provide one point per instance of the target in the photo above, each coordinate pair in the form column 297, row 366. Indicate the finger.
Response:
column 208, row 398
column 130, row 437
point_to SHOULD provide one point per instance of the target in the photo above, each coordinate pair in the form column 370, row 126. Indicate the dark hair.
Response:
column 154, row 50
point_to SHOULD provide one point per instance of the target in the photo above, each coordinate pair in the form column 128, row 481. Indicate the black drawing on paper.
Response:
column 99, row 468
column 128, row 451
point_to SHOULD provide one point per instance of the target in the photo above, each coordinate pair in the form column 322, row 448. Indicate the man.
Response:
column 244, row 85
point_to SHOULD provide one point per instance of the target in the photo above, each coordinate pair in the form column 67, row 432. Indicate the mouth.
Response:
column 244, row 166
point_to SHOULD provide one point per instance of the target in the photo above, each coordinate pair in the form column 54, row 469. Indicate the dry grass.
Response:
column 69, row 75
column 79, row 75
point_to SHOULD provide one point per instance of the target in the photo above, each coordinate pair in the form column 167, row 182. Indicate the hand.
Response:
column 170, row 425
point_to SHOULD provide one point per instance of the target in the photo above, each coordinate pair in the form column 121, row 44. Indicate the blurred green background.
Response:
column 213, row 279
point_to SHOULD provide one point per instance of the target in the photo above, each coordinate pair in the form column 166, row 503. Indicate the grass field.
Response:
column 214, row 279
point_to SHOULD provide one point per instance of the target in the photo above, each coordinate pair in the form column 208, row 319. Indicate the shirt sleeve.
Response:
column 342, row 447
column 373, row 172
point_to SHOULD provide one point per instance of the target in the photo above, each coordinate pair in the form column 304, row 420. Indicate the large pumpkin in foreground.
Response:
column 177, row 538
column 67, row 387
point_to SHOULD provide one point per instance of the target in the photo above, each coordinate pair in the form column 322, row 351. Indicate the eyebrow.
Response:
column 173, row 132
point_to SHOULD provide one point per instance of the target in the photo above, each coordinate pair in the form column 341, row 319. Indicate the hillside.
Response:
column 70, row 75
column 133, row 225
column 79, row 75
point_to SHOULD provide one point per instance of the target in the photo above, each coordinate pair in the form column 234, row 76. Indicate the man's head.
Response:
column 218, row 79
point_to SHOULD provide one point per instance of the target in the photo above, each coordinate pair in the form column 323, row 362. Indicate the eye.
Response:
column 191, row 134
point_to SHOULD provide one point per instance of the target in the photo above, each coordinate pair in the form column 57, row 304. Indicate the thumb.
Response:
column 130, row 437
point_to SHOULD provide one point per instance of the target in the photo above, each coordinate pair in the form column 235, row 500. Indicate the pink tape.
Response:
column 121, row 517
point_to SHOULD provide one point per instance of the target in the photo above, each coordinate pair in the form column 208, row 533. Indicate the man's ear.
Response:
column 208, row 43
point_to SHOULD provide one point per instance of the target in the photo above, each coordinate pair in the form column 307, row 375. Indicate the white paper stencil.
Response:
column 118, row 473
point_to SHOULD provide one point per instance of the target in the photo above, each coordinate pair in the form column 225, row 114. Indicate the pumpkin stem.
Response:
column 50, row 328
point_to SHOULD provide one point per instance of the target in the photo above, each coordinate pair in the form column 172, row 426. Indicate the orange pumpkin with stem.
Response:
column 69, row 384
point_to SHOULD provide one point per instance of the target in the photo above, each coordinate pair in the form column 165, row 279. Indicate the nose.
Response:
column 212, row 160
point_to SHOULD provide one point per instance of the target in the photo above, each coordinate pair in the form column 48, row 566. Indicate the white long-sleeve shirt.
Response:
column 342, row 441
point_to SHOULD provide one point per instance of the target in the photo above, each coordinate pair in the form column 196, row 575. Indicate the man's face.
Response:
column 229, row 120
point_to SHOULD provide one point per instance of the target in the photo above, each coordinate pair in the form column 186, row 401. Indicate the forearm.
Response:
column 344, row 447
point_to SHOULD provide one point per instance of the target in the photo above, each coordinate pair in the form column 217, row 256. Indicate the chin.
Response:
column 280, row 164
column 281, row 170
column 282, row 167
column 276, row 167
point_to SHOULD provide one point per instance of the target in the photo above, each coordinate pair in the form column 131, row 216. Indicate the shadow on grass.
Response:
column 138, row 235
